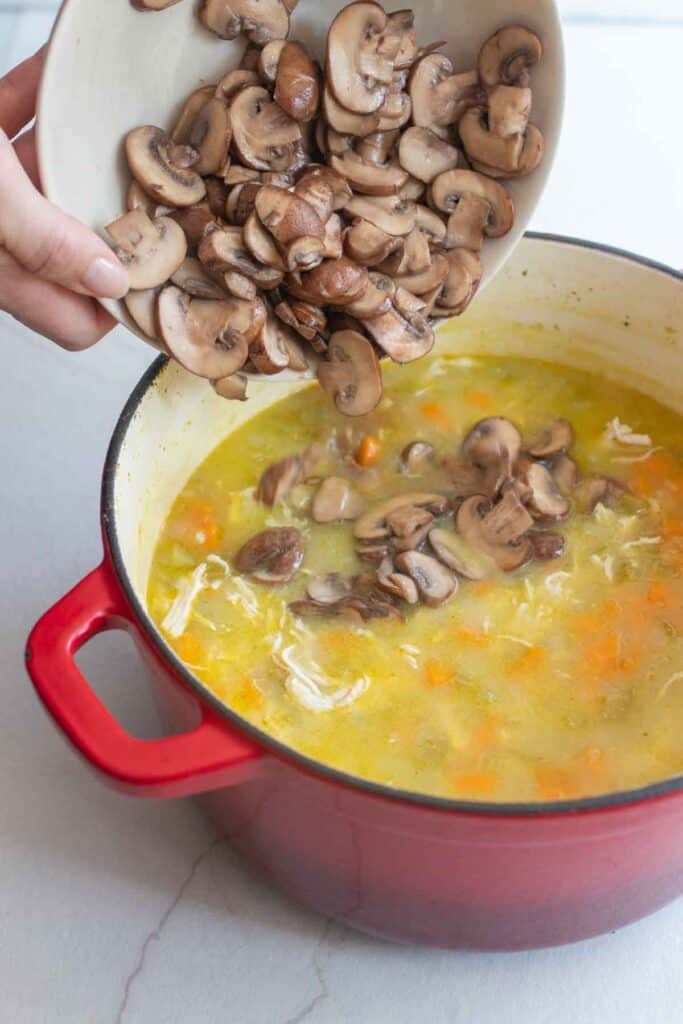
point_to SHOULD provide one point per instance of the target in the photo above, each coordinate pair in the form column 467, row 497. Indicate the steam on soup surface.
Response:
column 559, row 679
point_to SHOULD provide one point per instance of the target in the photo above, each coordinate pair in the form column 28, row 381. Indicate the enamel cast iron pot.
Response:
column 397, row 864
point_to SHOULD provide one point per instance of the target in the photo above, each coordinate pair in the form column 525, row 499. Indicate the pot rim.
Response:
column 609, row 801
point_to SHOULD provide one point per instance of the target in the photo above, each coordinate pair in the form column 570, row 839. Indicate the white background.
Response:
column 113, row 909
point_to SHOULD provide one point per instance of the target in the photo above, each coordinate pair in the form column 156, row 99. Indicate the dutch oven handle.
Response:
column 207, row 757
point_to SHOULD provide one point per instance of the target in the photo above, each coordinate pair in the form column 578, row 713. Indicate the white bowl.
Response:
column 111, row 68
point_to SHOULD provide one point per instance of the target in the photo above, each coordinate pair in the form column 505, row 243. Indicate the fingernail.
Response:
column 106, row 278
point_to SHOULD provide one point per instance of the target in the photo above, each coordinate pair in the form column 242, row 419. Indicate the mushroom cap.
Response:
column 286, row 215
column 367, row 244
column 546, row 545
column 543, row 497
column 377, row 147
column 458, row 554
column 148, row 152
column 194, row 220
column 484, row 147
column 439, row 97
column 151, row 250
column 423, row 281
column 403, row 338
column 390, row 214
column 192, row 278
column 272, row 556
column 278, row 479
column 491, row 442
column 447, row 189
column 335, row 501
column 460, row 283
column 467, row 223
column 435, row 582
column 235, row 80
column 556, row 439
column 324, row 189
column 269, row 351
column 351, row 373
column 297, row 85
column 471, row 524
column 260, row 20
column 402, row 24
column 430, row 224
column 328, row 589
column 261, row 245
column 368, row 178
column 396, row 583
column 193, row 104
column 241, row 202
column 375, row 299
column 414, row 455
column 210, row 134
column 226, row 249
column 345, row 122
column 508, row 55
column 374, row 524
column 357, row 73
column 566, row 473
column 424, row 155
column 334, row 282
column 509, row 107
column 268, row 60
column 198, row 333
column 264, row 136
column 233, row 388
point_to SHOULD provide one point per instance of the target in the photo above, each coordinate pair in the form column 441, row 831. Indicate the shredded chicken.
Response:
column 621, row 432
column 207, row 575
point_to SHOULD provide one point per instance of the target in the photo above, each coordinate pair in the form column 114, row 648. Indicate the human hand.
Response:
column 50, row 264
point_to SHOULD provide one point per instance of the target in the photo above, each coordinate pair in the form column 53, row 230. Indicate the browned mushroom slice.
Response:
column 268, row 60
column 199, row 333
column 323, row 189
column 194, row 220
column 287, row 216
column 269, row 351
column 344, row 123
column 596, row 490
column 375, row 299
column 543, row 497
column 306, row 320
column 239, row 285
column 238, row 78
column 357, row 72
column 297, row 83
column 458, row 554
column 238, row 175
column 333, row 246
column 334, row 282
column 192, row 106
column 467, row 223
column 436, row 584
column 367, row 244
column 234, row 388
column 240, row 203
column 278, row 480
column 460, row 283
column 378, row 147
column 509, row 107
column 151, row 250
column 373, row 551
column 431, row 225
column 508, row 55
column 335, row 501
column 440, row 97
column 396, row 583
column 137, row 199
column 566, row 473
column 406, row 303
column 264, row 136
column 414, row 257
column 448, row 189
column 497, row 532
column 546, row 545
column 210, row 135
column 466, row 479
column 510, row 156
column 424, row 155
column 351, row 373
column 396, row 110
column 495, row 442
column 272, row 556
column 374, row 524
column 402, row 338
column 328, row 589
column 217, row 193
column 390, row 214
column 193, row 279
column 262, row 247
column 260, row 20
column 554, row 440
column 367, row 178
column 415, row 455
column 419, row 282
column 304, row 253
column 406, row 519
column 225, row 249
column 149, row 152
column 142, row 307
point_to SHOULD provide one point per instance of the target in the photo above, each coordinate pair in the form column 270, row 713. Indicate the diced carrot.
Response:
column 471, row 637
column 247, row 697
column 533, row 658
column 652, row 474
column 479, row 399
column 485, row 734
column 198, row 526
column 368, row 451
column 475, row 783
column 436, row 414
column 601, row 655
column 188, row 649
column 437, row 674
column 662, row 594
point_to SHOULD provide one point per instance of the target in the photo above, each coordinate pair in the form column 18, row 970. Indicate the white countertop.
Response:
column 113, row 909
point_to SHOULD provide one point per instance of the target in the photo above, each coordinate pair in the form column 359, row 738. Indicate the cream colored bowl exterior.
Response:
column 111, row 68
column 554, row 300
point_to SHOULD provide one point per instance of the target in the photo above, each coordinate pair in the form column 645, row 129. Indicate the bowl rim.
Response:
column 518, row 809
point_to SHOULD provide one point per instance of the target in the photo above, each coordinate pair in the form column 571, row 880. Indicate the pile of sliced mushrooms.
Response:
column 295, row 217
column 495, row 516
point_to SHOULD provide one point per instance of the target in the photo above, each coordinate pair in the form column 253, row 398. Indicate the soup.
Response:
column 556, row 678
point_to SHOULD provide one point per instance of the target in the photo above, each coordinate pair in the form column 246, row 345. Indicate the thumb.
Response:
column 48, row 243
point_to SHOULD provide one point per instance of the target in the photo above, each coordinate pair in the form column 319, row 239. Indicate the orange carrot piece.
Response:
column 485, row 734
column 368, row 451
column 199, row 526
column 471, row 637
column 437, row 674
column 662, row 594
column 436, row 415
column 475, row 783
column 532, row 658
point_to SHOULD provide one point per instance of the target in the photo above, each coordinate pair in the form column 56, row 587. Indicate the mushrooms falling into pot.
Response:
column 284, row 184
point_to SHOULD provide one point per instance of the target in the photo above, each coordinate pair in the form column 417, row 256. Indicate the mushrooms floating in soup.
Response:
column 476, row 591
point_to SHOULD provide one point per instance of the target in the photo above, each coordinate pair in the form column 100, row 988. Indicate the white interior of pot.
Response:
column 553, row 301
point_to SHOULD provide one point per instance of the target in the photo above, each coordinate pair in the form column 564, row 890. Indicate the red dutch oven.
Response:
column 397, row 864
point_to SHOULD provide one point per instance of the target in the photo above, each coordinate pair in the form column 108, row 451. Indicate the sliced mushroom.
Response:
column 546, row 545
column 262, row 247
column 373, row 551
column 272, row 556
column 368, row 178
column 412, row 189
column 493, row 442
column 396, row 583
column 467, row 223
column 414, row 257
column 297, row 82
column 264, row 136
column 193, row 279
column 344, row 123
column 351, row 373
column 194, row 220
column 431, row 225
column 423, row 281
column 238, row 175
column 509, row 107
column 287, row 216
column 237, row 79
column 217, row 193
column 307, row 320
column 458, row 554
column 270, row 350
column 415, row 455
column 460, row 283
column 240, row 203
column 210, row 135
column 390, row 214
column 424, row 155
column 510, row 156
column 405, row 520
column 278, row 480
column 225, row 249
column 336, row 501
column 377, row 147
column 323, row 189
column 508, row 55
column 375, row 299
column 554, row 440
column 192, row 106
column 357, row 72
column 374, row 524
column 250, row 55
column 260, row 20
column 566, row 473
column 367, row 244
column 268, row 60
column 328, row 589
column 199, row 333
column 149, row 152
column 440, row 97
column 544, row 497
column 403, row 338
column 142, row 307
column 137, row 199
column 474, row 521
column 334, row 282
column 436, row 584
column 448, row 189
column 333, row 246
column 234, row 388
column 151, row 250
column 466, row 479
column 598, row 490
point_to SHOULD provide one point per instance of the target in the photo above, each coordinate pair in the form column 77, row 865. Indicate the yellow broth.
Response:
column 559, row 680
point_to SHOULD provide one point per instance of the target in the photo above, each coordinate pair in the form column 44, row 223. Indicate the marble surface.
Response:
column 113, row 909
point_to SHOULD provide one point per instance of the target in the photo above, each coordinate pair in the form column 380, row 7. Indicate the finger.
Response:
column 74, row 322
column 18, row 93
column 25, row 148
column 47, row 242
